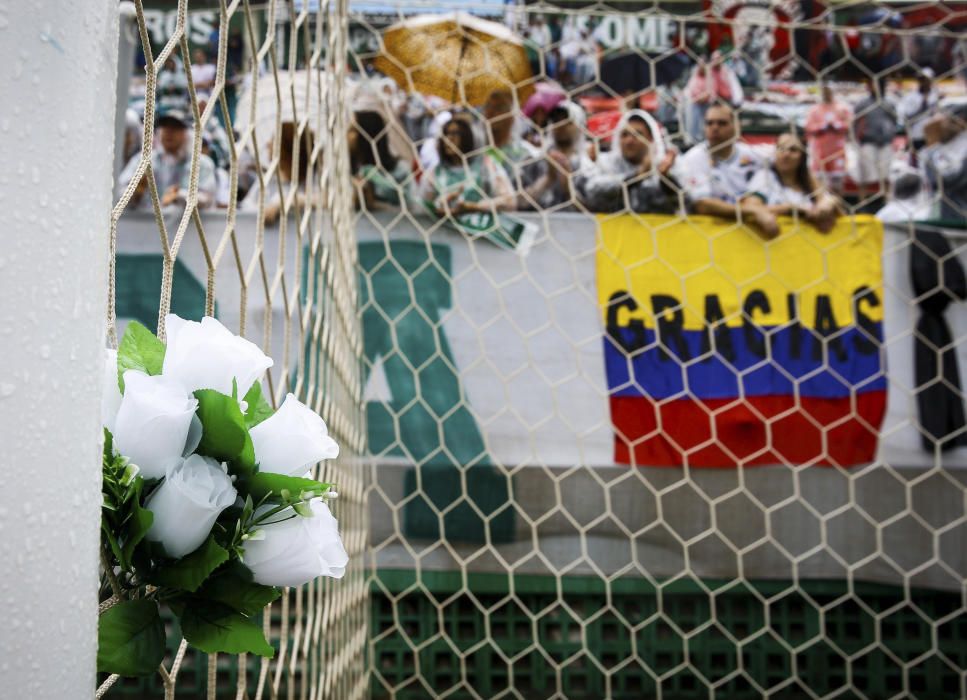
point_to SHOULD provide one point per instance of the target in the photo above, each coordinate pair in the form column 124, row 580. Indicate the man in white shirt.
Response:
column 917, row 106
column 171, row 164
column 944, row 161
column 716, row 173
column 907, row 202
column 203, row 72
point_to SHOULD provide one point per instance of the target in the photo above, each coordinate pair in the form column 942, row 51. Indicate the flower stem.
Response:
column 109, row 572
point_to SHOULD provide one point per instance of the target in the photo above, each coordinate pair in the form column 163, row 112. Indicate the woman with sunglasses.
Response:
column 788, row 188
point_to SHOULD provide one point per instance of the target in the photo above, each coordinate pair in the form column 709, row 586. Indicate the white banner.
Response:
column 518, row 338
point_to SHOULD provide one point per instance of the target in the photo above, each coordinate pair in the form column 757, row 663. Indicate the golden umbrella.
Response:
column 456, row 56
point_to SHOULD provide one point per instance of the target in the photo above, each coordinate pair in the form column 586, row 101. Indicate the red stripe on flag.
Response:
column 755, row 430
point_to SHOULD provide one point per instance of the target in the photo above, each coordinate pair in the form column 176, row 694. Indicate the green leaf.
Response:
column 258, row 408
column 265, row 483
column 137, row 527
column 214, row 628
column 140, row 349
column 244, row 464
column 130, row 639
column 189, row 572
column 223, row 426
column 234, row 587
column 108, row 445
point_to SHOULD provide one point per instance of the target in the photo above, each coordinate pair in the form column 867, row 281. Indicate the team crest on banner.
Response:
column 723, row 350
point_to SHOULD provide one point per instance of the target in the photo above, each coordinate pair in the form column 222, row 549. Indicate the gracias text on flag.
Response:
column 721, row 350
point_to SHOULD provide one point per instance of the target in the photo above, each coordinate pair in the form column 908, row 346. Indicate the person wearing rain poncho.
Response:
column 635, row 175
column 565, row 159
column 470, row 191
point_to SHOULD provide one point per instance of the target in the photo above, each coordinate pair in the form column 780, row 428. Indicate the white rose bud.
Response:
column 207, row 355
column 297, row 550
column 187, row 503
column 152, row 423
column 111, row 392
column 292, row 440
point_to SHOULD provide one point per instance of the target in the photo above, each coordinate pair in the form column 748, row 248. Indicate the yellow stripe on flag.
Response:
column 691, row 259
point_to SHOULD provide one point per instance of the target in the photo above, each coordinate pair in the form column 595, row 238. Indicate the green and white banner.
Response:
column 485, row 387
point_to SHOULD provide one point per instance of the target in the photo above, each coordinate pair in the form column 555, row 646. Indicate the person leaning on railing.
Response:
column 379, row 177
column 716, row 174
column 944, row 160
column 464, row 182
column 786, row 187
column 171, row 162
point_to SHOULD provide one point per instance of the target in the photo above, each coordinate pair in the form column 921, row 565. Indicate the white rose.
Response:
column 111, row 392
column 187, row 503
column 152, row 423
column 207, row 355
column 297, row 550
column 292, row 440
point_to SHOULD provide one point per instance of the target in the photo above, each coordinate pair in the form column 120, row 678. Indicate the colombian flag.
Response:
column 722, row 349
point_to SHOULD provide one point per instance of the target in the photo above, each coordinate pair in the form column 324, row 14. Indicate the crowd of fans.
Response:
column 502, row 156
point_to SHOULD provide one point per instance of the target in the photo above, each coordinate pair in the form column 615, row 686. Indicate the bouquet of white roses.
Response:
column 208, row 501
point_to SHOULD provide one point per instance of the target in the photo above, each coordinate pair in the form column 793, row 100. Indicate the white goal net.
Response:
column 645, row 322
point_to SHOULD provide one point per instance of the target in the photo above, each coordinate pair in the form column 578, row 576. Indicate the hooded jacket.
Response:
column 613, row 184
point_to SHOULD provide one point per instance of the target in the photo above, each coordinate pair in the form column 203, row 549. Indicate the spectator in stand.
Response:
column 875, row 128
column 787, row 187
column 172, row 85
column 944, row 160
column 223, row 181
column 894, row 96
column 628, row 178
column 716, row 174
column 464, row 183
column 380, row 178
column 572, row 47
column 133, row 135
column 827, row 127
column 539, row 105
column 171, row 163
column 215, row 132
column 711, row 82
column 566, row 158
column 520, row 160
column 213, row 37
column 958, row 55
column 202, row 73
column 281, row 187
column 907, row 201
column 430, row 148
column 917, row 106
column 540, row 33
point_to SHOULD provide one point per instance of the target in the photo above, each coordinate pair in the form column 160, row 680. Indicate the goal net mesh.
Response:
column 278, row 268
column 641, row 328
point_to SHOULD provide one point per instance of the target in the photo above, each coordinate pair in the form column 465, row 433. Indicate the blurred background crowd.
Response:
column 742, row 110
